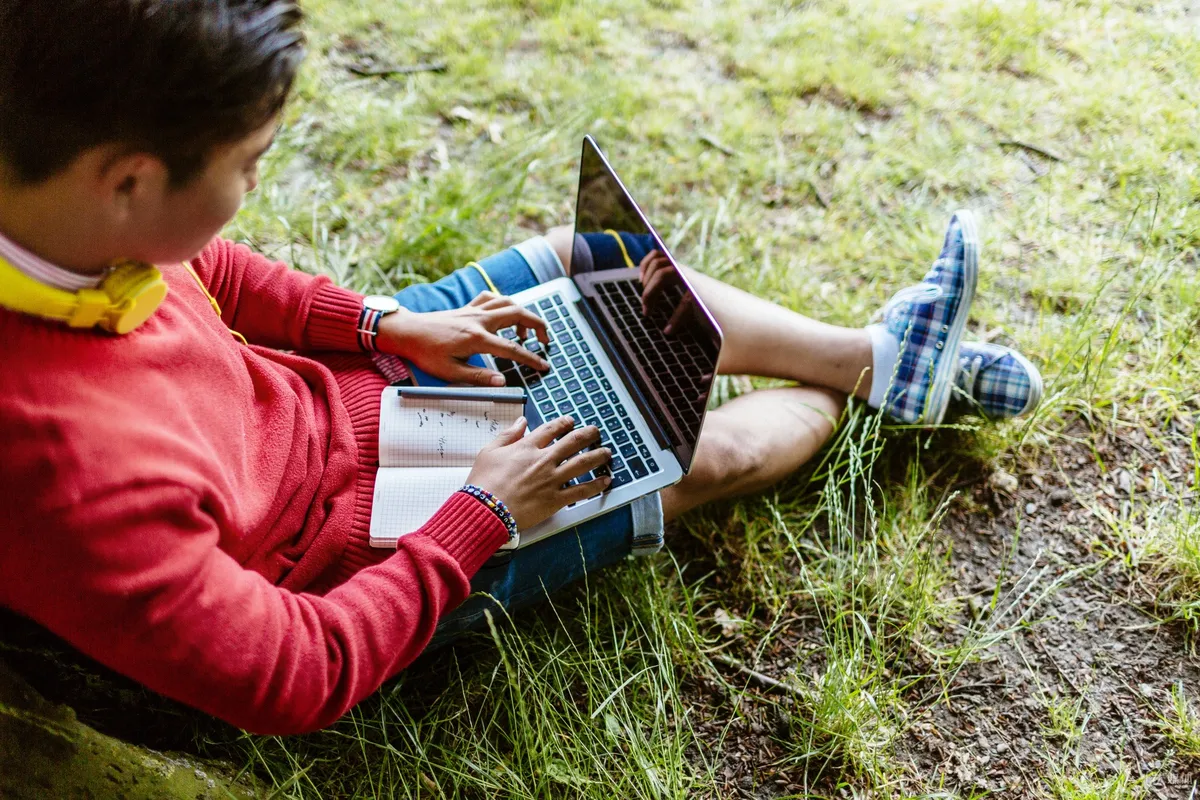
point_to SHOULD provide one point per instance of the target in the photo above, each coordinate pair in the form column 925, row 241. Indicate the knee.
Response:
column 562, row 238
column 748, row 456
column 727, row 457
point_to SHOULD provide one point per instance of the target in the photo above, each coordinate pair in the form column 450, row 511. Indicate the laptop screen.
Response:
column 664, row 337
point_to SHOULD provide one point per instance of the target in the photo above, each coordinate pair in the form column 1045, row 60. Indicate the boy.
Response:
column 190, row 505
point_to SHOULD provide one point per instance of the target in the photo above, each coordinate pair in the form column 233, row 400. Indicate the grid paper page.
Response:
column 405, row 499
column 433, row 432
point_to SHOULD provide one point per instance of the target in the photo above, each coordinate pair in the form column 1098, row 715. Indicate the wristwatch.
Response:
column 375, row 308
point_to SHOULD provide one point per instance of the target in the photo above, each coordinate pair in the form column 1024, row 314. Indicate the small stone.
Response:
column 1030, row 508
column 1060, row 496
column 729, row 623
column 1004, row 482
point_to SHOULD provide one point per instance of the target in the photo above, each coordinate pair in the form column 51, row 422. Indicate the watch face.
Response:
column 381, row 303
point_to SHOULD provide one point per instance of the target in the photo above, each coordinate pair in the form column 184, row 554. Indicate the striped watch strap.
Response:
column 368, row 327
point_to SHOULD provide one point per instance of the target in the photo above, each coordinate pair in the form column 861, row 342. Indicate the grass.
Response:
column 1065, row 720
column 810, row 153
column 1162, row 540
column 1088, row 785
column 1181, row 724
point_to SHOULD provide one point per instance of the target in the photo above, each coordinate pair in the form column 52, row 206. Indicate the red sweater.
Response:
column 193, row 512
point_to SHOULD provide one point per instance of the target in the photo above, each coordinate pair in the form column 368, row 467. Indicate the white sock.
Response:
column 885, row 349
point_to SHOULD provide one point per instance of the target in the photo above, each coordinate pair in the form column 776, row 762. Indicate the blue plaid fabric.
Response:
column 996, row 382
column 928, row 320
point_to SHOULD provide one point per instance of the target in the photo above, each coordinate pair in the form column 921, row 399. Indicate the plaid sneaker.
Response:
column 928, row 320
column 996, row 382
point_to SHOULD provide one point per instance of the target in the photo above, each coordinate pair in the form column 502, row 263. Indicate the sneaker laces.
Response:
column 968, row 375
column 918, row 294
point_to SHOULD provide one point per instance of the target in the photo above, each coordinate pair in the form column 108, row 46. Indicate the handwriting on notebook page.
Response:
column 439, row 432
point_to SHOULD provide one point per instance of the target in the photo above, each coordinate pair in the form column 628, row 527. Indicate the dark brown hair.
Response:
column 174, row 78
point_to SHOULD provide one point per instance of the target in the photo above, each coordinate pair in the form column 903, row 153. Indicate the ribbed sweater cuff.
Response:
column 333, row 319
column 466, row 529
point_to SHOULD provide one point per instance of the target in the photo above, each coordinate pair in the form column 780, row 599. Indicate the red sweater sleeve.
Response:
column 273, row 305
column 137, row 581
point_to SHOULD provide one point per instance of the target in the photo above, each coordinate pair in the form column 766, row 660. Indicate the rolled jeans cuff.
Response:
column 648, row 524
column 541, row 258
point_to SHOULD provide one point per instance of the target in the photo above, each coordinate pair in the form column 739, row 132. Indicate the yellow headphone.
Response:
column 126, row 298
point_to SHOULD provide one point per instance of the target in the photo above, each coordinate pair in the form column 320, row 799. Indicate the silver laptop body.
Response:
column 612, row 364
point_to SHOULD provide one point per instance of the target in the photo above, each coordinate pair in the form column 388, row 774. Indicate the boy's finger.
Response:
column 515, row 351
column 679, row 316
column 585, row 462
column 650, row 265
column 547, row 432
column 476, row 376
column 512, row 433
column 496, row 301
column 515, row 315
column 650, row 289
column 657, row 278
column 482, row 298
column 572, row 443
column 645, row 262
column 582, row 491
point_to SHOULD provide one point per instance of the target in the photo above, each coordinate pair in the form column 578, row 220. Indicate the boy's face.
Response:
column 175, row 224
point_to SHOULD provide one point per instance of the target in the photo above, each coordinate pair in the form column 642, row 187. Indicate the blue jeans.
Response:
column 533, row 572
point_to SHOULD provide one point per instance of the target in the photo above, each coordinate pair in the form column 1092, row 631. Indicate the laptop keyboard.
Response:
column 679, row 369
column 575, row 387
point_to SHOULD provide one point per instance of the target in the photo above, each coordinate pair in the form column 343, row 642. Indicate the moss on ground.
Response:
column 46, row 752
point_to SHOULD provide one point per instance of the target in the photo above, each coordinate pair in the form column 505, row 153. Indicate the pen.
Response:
column 461, row 393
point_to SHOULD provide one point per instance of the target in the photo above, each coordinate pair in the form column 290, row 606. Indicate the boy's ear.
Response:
column 126, row 183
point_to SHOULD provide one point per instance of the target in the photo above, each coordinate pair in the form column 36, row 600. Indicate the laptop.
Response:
column 639, row 367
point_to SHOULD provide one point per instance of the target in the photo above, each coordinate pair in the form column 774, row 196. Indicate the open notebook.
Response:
column 428, row 439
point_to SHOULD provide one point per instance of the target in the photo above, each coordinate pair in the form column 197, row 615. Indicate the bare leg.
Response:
column 753, row 441
column 762, row 338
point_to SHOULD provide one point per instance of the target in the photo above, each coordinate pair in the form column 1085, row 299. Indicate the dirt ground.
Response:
column 1094, row 638
column 1081, row 629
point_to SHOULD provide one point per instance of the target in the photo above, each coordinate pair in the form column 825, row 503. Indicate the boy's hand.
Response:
column 528, row 472
column 439, row 342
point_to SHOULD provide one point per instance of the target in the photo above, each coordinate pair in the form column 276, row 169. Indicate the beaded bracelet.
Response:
column 496, row 505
